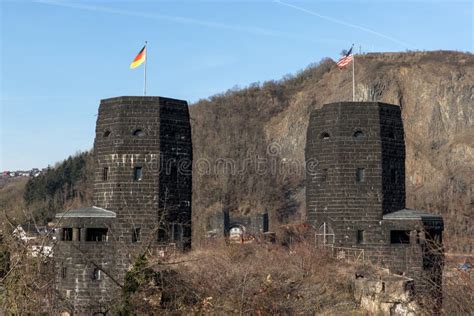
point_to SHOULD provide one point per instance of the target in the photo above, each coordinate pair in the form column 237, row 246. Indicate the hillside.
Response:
column 249, row 144
column 36, row 199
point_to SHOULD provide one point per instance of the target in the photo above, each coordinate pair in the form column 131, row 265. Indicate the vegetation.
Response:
column 263, row 126
column 66, row 185
column 268, row 121
column 241, row 279
column 27, row 283
column 243, row 126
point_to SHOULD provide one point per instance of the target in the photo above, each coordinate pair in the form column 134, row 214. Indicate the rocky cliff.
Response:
column 249, row 143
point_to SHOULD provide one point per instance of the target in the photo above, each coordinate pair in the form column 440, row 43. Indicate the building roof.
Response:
column 93, row 211
column 412, row 215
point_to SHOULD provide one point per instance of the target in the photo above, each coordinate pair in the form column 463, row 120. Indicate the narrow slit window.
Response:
column 137, row 174
column 360, row 236
column 95, row 274
column 106, row 133
column 105, row 174
column 136, row 235
column 63, row 272
column 360, row 175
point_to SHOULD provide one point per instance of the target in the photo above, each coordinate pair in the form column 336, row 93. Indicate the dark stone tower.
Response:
column 355, row 191
column 359, row 151
column 142, row 200
column 143, row 158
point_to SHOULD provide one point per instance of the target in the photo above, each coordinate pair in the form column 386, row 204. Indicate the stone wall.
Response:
column 386, row 295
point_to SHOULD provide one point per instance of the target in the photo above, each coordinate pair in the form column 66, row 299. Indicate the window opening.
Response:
column 137, row 174
column 400, row 237
column 360, row 175
column 96, row 234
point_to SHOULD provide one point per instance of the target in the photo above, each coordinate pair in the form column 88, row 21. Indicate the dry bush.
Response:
column 265, row 279
column 458, row 292
column 241, row 279
column 28, row 281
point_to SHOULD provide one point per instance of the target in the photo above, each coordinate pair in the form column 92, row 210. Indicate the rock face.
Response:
column 249, row 144
column 387, row 295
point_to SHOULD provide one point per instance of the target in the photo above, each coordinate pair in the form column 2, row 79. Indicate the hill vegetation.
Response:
column 249, row 143
column 249, row 157
column 262, row 130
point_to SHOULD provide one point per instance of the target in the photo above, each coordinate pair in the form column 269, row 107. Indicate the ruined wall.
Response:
column 386, row 295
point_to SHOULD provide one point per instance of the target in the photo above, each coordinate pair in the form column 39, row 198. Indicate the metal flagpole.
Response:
column 146, row 59
column 353, row 78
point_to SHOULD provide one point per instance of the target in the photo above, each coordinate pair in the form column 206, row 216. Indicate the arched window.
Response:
column 106, row 133
column 325, row 135
column 138, row 132
column 358, row 135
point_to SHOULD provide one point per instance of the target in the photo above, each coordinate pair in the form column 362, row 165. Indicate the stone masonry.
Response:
column 142, row 197
column 355, row 190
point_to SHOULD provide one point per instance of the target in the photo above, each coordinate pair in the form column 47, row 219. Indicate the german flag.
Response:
column 141, row 57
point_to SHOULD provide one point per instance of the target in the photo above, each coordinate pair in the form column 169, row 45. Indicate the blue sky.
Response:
column 60, row 57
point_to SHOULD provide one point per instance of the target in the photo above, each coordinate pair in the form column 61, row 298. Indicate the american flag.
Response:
column 346, row 59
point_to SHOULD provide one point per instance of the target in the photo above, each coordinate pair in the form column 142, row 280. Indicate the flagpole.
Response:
column 353, row 77
column 144, row 71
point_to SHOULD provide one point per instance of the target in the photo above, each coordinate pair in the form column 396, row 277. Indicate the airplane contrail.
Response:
column 176, row 19
column 328, row 18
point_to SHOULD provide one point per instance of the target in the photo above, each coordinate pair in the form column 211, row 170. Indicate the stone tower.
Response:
column 142, row 200
column 143, row 156
column 355, row 191
column 359, row 150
